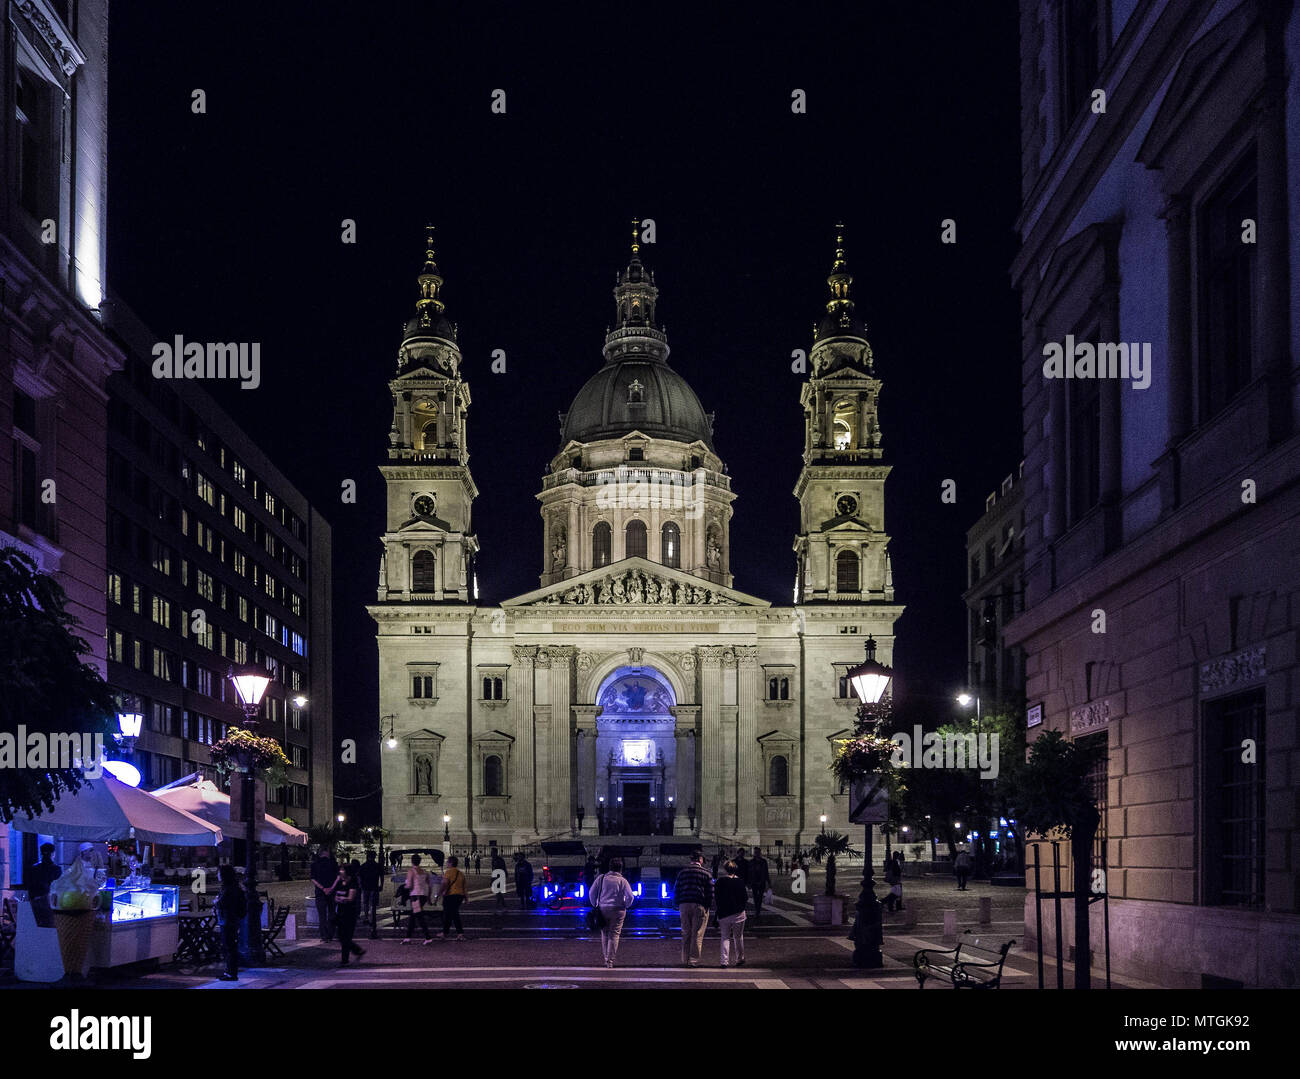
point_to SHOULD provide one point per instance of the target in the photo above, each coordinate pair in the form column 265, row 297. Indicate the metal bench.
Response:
column 973, row 964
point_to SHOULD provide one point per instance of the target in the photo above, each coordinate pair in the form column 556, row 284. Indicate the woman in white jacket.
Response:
column 612, row 896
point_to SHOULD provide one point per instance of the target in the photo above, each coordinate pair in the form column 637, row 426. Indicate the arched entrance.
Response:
column 636, row 752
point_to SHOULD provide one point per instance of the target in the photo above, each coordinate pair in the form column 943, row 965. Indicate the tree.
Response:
column 44, row 685
column 831, row 845
column 1057, row 795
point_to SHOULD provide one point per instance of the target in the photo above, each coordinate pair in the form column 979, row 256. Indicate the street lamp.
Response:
column 823, row 820
column 391, row 740
column 870, row 680
column 250, row 684
column 446, row 827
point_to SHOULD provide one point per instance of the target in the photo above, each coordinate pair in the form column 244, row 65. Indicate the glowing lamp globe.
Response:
column 130, row 724
column 126, row 773
column 870, row 679
column 250, row 683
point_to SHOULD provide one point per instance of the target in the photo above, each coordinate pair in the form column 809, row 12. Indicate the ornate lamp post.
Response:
column 870, row 680
column 250, row 685
column 446, row 828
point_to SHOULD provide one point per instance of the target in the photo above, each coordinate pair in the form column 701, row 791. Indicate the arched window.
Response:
column 785, row 689
column 602, row 542
column 422, row 575
column 846, row 572
column 772, row 686
column 637, row 543
column 429, row 436
column 670, row 546
column 778, row 778
column 492, row 776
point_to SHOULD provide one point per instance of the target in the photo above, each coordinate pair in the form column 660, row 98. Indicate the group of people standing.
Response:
column 345, row 894
column 424, row 889
column 696, row 893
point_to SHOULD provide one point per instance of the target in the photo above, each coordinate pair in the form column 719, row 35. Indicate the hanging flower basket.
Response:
column 243, row 751
column 863, row 755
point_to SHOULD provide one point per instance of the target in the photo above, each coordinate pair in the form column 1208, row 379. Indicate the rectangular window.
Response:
column 116, row 651
column 203, row 681
column 239, row 472
column 241, row 563
column 1226, row 289
column 161, row 612
column 422, row 686
column 204, row 489
column 1084, row 462
column 137, row 605
column 241, row 651
column 1234, row 801
column 164, row 665
column 241, row 519
column 137, row 655
column 114, row 592
column 160, row 557
column 297, row 644
column 1080, row 52
column 203, row 583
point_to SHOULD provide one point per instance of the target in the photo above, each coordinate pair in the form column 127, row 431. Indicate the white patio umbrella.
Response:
column 206, row 801
column 106, row 809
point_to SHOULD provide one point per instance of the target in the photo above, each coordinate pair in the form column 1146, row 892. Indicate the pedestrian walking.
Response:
column 370, row 878
column 731, row 903
column 612, row 896
column 961, row 866
column 346, row 901
column 453, row 893
column 897, row 887
column 478, row 864
column 523, row 880
column 892, row 900
column 693, row 896
column 417, row 887
column 742, row 867
column 760, row 880
column 324, row 872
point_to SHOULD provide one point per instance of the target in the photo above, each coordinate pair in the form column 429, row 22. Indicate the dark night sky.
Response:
column 226, row 226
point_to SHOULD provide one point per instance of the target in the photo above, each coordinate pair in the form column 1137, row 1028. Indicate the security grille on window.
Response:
column 1234, row 800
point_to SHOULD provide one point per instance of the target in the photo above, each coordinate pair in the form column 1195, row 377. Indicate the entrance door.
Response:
column 636, row 808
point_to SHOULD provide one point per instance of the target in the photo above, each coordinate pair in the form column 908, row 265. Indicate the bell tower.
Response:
column 429, row 545
column 842, row 547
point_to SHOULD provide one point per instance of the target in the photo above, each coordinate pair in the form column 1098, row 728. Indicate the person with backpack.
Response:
column 418, row 888
column 612, row 897
column 231, row 908
column 454, row 894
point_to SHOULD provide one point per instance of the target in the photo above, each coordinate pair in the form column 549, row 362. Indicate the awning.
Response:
column 105, row 809
column 206, row 801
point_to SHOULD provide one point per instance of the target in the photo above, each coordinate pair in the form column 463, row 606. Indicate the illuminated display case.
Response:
column 143, row 902
column 139, row 923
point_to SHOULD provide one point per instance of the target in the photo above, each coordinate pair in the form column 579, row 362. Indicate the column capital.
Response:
column 524, row 654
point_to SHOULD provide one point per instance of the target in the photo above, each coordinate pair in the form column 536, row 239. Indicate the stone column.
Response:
column 524, row 759
column 576, row 542
column 747, row 755
column 710, row 800
column 685, row 794
column 585, row 755
column 562, row 802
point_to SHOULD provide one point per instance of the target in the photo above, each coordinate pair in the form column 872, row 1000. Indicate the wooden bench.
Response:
column 973, row 964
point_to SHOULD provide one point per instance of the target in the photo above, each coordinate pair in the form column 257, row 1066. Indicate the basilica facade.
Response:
column 636, row 691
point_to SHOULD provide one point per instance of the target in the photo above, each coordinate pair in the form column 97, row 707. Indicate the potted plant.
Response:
column 828, row 908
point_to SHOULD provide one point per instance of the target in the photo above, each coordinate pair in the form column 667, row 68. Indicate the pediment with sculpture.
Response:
column 636, row 582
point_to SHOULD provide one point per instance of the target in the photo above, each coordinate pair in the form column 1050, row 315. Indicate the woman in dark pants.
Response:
column 454, row 894
column 231, row 909
column 345, row 913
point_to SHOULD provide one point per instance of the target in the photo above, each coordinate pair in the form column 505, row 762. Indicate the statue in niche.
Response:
column 715, row 552
column 423, row 774
column 559, row 551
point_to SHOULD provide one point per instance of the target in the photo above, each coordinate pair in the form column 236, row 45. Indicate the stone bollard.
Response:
column 986, row 910
column 909, row 916
column 949, row 926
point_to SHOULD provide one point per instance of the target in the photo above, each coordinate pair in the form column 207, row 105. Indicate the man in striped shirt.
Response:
column 693, row 894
